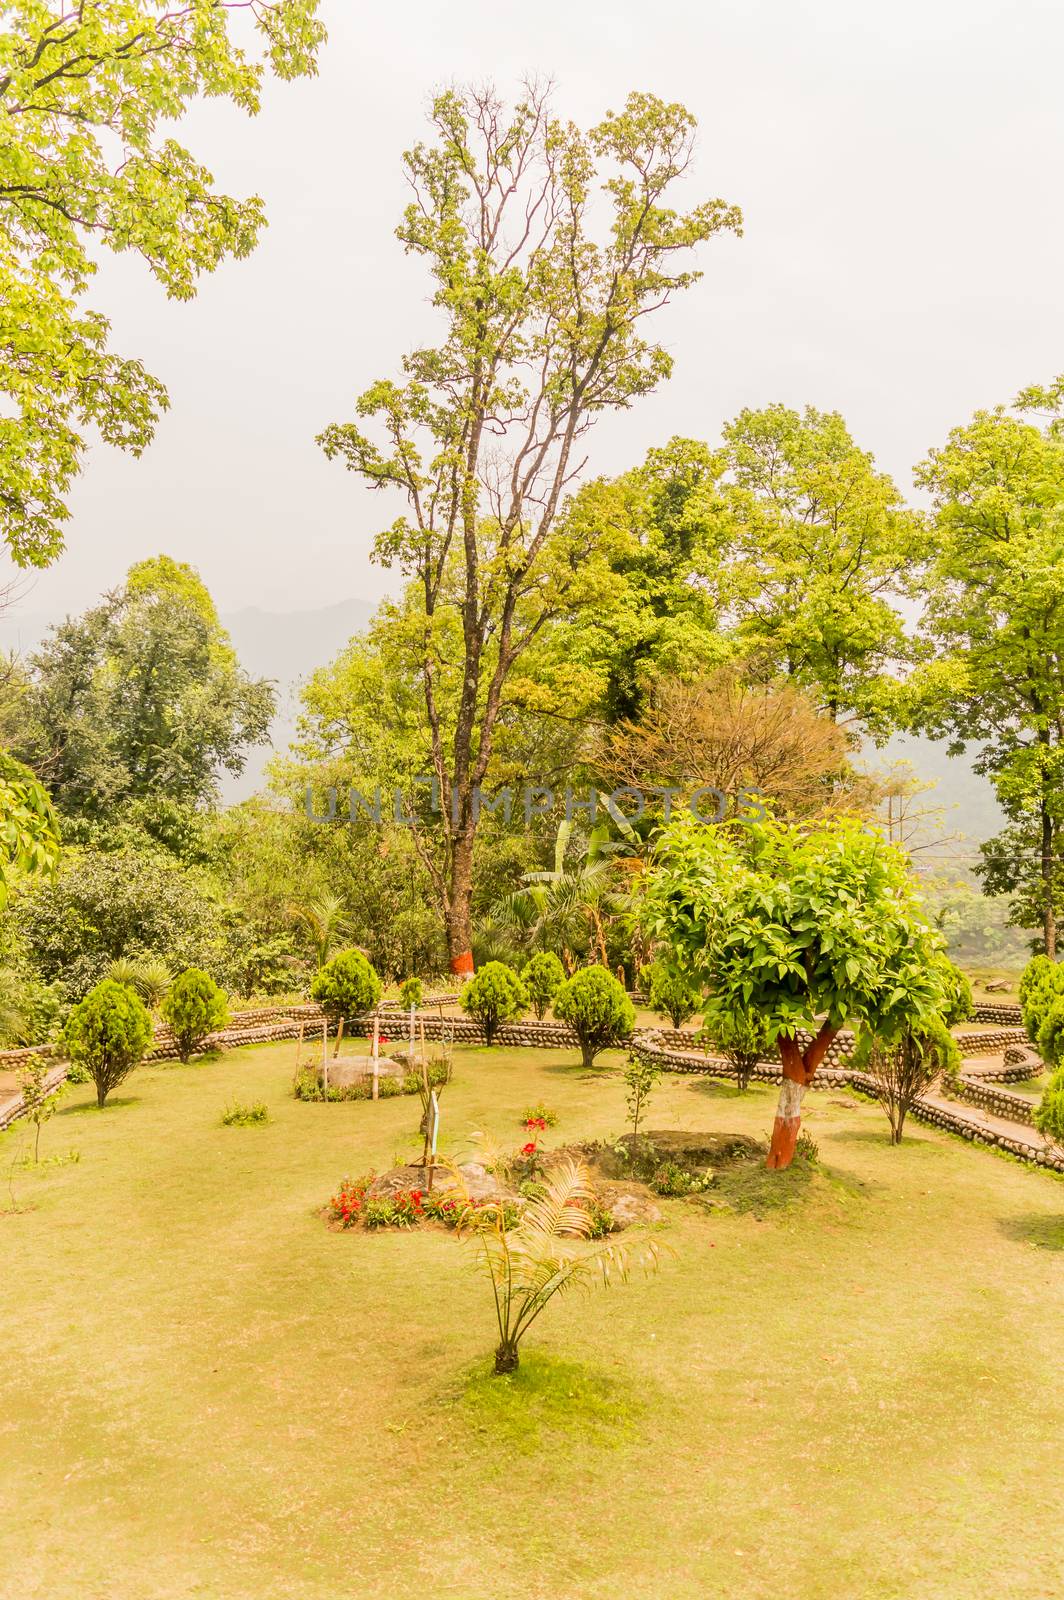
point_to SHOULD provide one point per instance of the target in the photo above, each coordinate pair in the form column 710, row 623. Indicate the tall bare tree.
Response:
column 544, row 285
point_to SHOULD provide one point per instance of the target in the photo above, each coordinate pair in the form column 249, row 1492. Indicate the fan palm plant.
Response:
column 325, row 922
column 150, row 978
column 125, row 971
column 561, row 907
column 547, row 1253
column 153, row 981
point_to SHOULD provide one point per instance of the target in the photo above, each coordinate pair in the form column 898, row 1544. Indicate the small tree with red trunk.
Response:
column 809, row 926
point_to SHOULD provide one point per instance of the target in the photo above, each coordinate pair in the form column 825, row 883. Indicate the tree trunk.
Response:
column 460, row 909
column 101, row 1096
column 1049, row 918
column 587, row 1055
column 506, row 1359
column 798, row 1069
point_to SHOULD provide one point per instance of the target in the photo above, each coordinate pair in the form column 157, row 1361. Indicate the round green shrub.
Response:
column 1049, row 1116
column 411, row 994
column 1041, row 985
column 193, row 1006
column 597, row 1009
column 1050, row 1039
column 543, row 976
column 670, row 993
column 108, row 1033
column 959, row 1005
column 493, row 995
column 347, row 986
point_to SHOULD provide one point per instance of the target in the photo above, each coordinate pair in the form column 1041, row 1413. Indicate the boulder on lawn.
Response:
column 627, row 1207
column 346, row 1071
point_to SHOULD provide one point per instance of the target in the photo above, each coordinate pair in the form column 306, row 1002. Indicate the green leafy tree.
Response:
column 995, row 616
column 1051, row 1034
column 670, row 992
column 597, row 1009
column 29, row 832
column 542, row 976
column 494, row 995
column 544, row 330
column 743, row 1038
column 89, row 95
column 958, row 1005
column 193, row 1007
column 347, row 986
column 324, row 922
column 808, row 927
column 817, row 545
column 108, row 1033
column 138, row 704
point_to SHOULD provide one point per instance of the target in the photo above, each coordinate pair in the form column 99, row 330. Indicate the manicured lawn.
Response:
column 204, row 1392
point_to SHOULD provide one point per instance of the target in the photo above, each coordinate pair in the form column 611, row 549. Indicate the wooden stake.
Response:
column 339, row 1036
column 376, row 1054
column 299, row 1044
column 325, row 1060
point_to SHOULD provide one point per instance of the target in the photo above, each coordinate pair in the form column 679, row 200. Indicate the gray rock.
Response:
column 348, row 1070
column 627, row 1208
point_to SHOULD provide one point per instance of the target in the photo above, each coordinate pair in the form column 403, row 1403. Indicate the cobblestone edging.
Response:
column 952, row 1120
column 278, row 1023
column 980, row 1092
column 1007, row 1013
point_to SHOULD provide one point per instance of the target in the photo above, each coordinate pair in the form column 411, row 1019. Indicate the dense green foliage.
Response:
column 795, row 923
column 411, row 993
column 347, row 986
column 131, row 903
column 29, row 832
column 193, row 1007
column 597, row 1009
column 108, row 1032
column 494, row 995
column 995, row 614
column 542, row 977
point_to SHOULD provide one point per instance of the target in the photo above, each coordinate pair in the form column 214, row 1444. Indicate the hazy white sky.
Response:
column 900, row 171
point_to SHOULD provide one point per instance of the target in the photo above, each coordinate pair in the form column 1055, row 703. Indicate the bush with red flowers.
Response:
column 538, row 1118
column 354, row 1207
column 348, row 1203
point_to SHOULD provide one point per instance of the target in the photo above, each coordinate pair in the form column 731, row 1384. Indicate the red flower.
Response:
column 529, row 1149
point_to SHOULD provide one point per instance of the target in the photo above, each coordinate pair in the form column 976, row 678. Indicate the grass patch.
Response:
column 240, row 1115
column 547, row 1401
column 206, row 1392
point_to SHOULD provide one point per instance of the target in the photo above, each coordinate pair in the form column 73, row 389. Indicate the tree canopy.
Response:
column 140, row 701
column 84, row 163
column 807, row 927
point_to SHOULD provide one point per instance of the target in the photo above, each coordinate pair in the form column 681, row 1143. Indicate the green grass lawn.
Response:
column 204, row 1392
